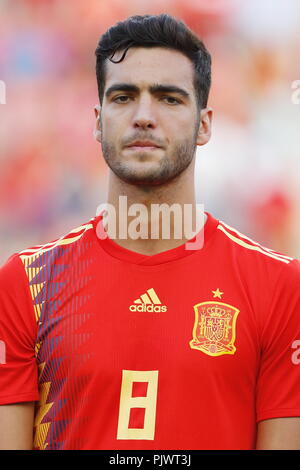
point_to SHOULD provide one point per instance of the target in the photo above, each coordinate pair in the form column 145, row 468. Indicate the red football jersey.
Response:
column 180, row 350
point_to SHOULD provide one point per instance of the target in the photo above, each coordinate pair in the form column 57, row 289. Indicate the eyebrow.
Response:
column 153, row 89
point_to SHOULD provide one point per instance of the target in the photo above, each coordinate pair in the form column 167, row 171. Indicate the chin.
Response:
column 145, row 179
column 141, row 180
column 140, row 173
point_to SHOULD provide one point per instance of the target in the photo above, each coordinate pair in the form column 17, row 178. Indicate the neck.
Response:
column 156, row 228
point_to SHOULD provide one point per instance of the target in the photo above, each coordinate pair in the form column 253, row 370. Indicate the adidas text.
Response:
column 148, row 308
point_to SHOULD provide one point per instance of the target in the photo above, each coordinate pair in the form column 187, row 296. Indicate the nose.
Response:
column 144, row 115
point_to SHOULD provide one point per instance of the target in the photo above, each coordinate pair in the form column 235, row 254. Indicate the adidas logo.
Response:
column 148, row 302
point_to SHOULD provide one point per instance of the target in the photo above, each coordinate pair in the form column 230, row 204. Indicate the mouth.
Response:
column 143, row 147
column 146, row 145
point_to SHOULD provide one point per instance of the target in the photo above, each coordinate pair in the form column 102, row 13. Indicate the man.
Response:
column 139, row 342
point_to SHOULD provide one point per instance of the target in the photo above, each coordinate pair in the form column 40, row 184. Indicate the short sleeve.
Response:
column 18, row 330
column 278, row 384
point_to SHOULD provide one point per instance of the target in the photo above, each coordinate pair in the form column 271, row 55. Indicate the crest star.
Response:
column 217, row 293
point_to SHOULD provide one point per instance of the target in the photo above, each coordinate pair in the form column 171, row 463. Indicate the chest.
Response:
column 200, row 326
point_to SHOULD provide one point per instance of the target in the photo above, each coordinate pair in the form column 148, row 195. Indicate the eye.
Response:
column 121, row 99
column 175, row 100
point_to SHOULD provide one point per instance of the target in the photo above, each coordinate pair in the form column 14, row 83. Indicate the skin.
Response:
column 278, row 434
column 16, row 426
column 165, row 175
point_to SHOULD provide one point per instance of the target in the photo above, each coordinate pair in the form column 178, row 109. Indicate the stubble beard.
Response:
column 167, row 170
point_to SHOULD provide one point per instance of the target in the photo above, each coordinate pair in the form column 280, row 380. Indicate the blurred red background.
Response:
column 52, row 172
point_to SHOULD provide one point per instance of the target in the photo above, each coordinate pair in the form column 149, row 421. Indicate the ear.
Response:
column 204, row 132
column 97, row 130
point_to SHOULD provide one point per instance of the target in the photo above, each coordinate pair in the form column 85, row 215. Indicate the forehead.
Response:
column 151, row 65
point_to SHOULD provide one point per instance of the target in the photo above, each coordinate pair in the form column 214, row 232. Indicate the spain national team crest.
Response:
column 214, row 328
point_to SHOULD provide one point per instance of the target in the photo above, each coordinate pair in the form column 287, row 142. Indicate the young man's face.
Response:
column 168, row 119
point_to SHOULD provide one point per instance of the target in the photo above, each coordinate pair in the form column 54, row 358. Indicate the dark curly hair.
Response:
column 155, row 31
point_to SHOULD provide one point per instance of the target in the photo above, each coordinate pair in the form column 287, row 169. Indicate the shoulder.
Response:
column 11, row 269
column 46, row 253
column 69, row 238
column 251, row 249
column 259, row 266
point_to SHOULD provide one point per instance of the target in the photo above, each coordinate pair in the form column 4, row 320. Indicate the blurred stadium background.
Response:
column 52, row 175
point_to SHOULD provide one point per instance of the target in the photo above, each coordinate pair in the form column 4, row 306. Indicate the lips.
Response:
column 144, row 143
